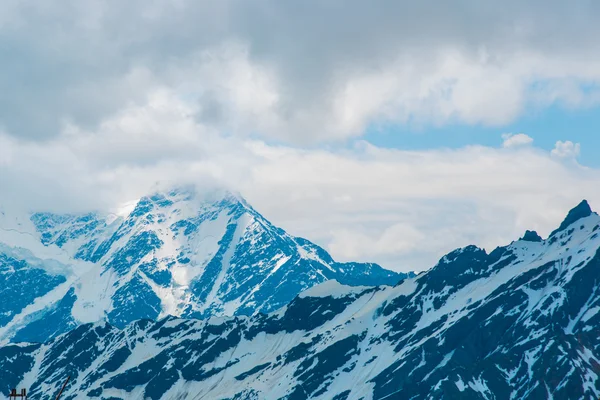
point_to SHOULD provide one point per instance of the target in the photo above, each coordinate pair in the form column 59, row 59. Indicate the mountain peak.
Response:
column 582, row 210
column 191, row 192
column 531, row 236
column 191, row 252
column 191, row 198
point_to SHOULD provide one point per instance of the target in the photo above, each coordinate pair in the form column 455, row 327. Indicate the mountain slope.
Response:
column 521, row 322
column 177, row 253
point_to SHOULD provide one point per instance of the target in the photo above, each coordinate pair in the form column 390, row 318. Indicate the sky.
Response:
column 385, row 131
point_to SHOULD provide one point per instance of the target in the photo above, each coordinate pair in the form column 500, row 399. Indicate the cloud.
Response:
column 566, row 149
column 297, row 73
column 403, row 209
column 516, row 140
column 400, row 238
column 103, row 101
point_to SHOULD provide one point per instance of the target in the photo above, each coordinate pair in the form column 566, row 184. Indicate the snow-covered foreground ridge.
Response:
column 180, row 253
column 522, row 322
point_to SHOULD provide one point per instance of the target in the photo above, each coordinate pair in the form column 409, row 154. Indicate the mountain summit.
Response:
column 180, row 253
column 582, row 210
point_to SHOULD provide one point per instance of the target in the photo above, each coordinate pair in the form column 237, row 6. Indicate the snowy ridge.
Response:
column 331, row 288
column 179, row 253
column 521, row 322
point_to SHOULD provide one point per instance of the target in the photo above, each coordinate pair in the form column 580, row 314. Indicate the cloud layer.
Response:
column 403, row 209
column 315, row 71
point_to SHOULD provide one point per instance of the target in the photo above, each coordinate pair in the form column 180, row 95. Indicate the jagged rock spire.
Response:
column 531, row 236
column 582, row 210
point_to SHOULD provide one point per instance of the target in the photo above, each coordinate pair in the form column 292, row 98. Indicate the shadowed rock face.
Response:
column 522, row 322
column 531, row 236
column 582, row 210
column 176, row 253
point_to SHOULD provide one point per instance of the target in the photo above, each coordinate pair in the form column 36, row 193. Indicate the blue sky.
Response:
column 545, row 126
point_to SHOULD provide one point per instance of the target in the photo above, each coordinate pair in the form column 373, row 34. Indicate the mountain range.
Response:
column 519, row 322
column 181, row 253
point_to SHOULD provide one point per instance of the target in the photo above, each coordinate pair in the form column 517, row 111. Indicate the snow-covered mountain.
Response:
column 522, row 322
column 179, row 253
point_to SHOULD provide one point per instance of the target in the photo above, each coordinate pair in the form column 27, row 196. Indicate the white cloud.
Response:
column 566, row 149
column 516, row 140
column 396, row 240
column 298, row 74
column 403, row 209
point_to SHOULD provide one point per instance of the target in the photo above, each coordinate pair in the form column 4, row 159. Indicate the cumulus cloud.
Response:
column 515, row 140
column 566, row 149
column 301, row 73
